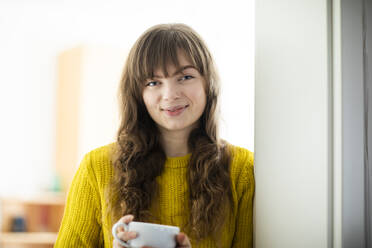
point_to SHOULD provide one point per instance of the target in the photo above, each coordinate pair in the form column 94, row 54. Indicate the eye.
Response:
column 186, row 77
column 152, row 83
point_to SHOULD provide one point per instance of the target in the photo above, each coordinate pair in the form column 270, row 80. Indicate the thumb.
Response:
column 182, row 240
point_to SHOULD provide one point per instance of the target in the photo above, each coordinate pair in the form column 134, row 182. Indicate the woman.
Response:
column 168, row 165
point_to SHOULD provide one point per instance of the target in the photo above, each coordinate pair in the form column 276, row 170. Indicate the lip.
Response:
column 175, row 110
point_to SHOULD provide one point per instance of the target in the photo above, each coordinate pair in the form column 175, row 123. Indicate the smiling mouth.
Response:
column 174, row 111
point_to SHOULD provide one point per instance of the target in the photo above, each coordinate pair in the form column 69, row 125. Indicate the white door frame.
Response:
column 311, row 125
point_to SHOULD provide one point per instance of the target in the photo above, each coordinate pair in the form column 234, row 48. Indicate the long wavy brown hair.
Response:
column 139, row 157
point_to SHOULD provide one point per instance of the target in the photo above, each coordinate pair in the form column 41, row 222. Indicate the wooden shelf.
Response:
column 42, row 214
column 28, row 238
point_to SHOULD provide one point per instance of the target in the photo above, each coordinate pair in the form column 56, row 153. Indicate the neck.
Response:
column 175, row 143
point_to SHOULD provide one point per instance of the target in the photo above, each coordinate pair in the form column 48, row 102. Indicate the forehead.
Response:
column 172, row 67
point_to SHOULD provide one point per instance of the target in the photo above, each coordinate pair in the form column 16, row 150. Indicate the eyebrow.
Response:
column 181, row 69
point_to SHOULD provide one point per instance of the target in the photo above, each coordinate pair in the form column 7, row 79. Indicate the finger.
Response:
column 125, row 236
column 126, row 219
column 182, row 240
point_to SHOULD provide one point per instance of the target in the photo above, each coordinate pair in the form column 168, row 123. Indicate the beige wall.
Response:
column 87, row 115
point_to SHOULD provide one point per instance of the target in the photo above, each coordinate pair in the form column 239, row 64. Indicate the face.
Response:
column 175, row 102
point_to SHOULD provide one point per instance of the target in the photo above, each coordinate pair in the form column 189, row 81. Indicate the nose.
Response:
column 171, row 91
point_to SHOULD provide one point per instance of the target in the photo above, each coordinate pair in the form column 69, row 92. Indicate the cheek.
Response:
column 199, row 96
column 147, row 99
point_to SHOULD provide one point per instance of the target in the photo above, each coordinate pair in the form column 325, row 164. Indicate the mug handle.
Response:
column 114, row 233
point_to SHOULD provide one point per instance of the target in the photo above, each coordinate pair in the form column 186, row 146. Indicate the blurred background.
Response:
column 60, row 64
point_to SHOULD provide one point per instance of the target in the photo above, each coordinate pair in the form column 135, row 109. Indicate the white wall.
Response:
column 293, row 117
column 34, row 32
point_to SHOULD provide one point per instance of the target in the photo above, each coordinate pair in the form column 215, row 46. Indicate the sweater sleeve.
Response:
column 81, row 223
column 243, row 236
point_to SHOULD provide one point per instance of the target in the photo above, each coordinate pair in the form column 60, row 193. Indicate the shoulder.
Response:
column 241, row 157
column 98, row 163
column 101, row 154
column 241, row 153
column 242, row 164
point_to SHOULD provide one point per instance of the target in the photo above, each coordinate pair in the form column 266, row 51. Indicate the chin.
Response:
column 175, row 128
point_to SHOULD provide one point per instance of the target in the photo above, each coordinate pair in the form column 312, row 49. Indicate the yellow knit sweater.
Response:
column 87, row 224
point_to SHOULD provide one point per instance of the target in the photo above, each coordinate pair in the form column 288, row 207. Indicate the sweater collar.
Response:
column 177, row 162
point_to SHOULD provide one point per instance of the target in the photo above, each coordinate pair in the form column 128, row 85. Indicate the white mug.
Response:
column 148, row 234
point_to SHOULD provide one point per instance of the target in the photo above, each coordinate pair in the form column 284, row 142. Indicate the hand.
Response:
column 122, row 234
column 182, row 241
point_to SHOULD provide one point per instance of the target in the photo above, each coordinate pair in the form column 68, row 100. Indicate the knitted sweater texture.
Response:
column 86, row 222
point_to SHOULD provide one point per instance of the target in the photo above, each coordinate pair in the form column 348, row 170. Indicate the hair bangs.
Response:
column 161, row 49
